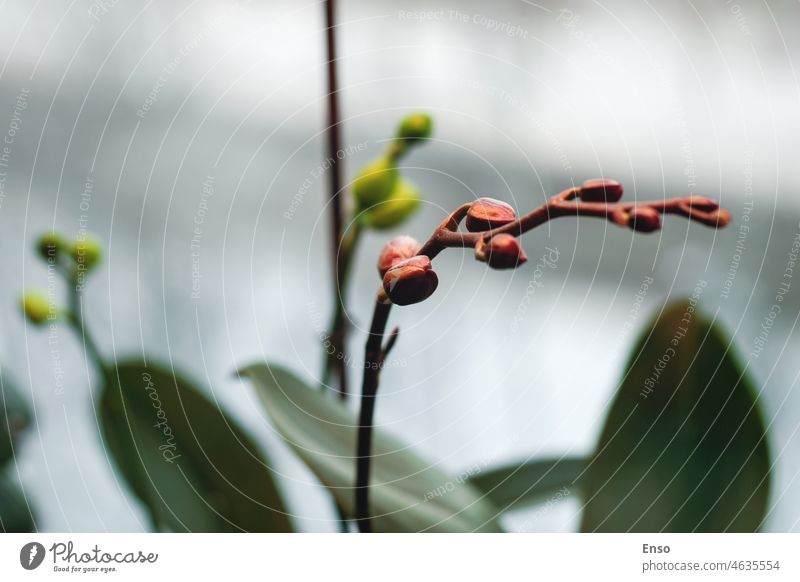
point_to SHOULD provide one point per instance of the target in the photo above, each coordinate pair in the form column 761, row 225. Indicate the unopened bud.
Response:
column 375, row 182
column 37, row 308
column 398, row 249
column 401, row 204
column 702, row 203
column 86, row 253
column 50, row 245
column 600, row 190
column 721, row 218
column 415, row 127
column 502, row 251
column 488, row 213
column 644, row 219
column 410, row 281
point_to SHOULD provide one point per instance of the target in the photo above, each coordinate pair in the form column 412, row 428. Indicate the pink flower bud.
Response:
column 410, row 281
column 600, row 190
column 398, row 249
column 488, row 213
column 502, row 251
column 644, row 219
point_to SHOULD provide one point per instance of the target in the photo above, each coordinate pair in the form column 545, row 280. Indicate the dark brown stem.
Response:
column 563, row 204
column 375, row 353
column 339, row 333
column 332, row 358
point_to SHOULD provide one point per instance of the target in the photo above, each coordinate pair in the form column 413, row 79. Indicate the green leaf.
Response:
column 684, row 445
column 408, row 494
column 15, row 512
column 190, row 463
column 516, row 486
column 14, row 417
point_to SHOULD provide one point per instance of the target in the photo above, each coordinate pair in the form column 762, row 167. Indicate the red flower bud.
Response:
column 702, row 203
column 502, row 251
column 410, row 281
column 488, row 213
column 600, row 190
column 721, row 218
column 644, row 219
column 718, row 218
column 398, row 249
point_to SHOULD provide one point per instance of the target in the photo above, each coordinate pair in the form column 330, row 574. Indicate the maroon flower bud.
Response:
column 644, row 219
column 600, row 190
column 410, row 281
column 398, row 249
column 488, row 213
column 502, row 251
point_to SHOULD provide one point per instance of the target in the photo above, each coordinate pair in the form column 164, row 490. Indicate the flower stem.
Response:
column 339, row 332
column 336, row 356
column 375, row 353
column 76, row 320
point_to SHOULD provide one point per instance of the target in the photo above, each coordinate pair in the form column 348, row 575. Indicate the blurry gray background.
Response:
column 129, row 107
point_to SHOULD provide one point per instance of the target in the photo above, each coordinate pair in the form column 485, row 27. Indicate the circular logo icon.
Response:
column 31, row 555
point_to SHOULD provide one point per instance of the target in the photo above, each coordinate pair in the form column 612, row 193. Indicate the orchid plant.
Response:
column 690, row 456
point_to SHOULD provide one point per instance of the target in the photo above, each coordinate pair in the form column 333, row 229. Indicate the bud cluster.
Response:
column 83, row 255
column 384, row 200
column 74, row 259
column 501, row 251
column 409, row 278
column 647, row 217
column 493, row 227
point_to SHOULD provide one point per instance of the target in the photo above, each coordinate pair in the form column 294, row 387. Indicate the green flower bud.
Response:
column 50, row 246
column 403, row 202
column 415, row 127
column 375, row 182
column 37, row 308
column 86, row 253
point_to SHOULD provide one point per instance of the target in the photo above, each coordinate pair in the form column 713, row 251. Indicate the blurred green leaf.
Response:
column 408, row 494
column 14, row 417
column 15, row 512
column 516, row 486
column 684, row 445
column 191, row 464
